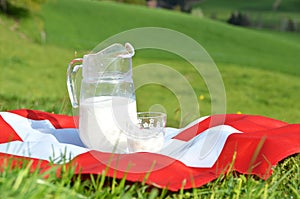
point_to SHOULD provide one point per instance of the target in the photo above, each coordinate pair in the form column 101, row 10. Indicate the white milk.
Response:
column 103, row 120
column 152, row 144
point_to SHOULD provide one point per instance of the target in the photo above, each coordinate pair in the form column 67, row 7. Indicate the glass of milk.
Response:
column 147, row 134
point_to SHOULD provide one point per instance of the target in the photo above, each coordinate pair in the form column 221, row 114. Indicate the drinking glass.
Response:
column 147, row 134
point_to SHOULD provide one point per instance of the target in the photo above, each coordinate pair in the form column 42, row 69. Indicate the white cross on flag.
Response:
column 196, row 154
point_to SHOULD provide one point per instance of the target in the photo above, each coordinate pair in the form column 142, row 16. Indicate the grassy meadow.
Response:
column 260, row 70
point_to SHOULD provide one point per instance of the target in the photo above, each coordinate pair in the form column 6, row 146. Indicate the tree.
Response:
column 276, row 4
column 14, row 7
column 3, row 5
column 185, row 5
column 239, row 19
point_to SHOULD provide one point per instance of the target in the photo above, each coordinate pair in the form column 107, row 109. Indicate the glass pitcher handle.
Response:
column 73, row 67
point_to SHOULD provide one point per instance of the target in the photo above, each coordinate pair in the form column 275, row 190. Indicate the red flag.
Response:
column 251, row 145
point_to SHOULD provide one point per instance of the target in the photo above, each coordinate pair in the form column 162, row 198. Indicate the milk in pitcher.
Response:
column 103, row 121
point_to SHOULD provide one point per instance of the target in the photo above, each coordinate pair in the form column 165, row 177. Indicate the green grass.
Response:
column 31, row 75
column 226, row 44
column 21, row 183
column 260, row 70
column 69, row 30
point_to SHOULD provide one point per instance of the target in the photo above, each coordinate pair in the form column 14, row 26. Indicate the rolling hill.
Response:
column 260, row 69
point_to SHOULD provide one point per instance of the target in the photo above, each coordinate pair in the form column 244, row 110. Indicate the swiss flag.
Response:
column 192, row 157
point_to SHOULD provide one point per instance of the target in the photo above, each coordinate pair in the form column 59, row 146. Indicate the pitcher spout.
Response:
column 113, row 59
column 116, row 50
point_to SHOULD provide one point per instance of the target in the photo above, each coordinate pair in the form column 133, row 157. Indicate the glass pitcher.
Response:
column 107, row 97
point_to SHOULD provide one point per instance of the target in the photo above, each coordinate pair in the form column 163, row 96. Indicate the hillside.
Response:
column 260, row 69
column 267, row 14
column 68, row 24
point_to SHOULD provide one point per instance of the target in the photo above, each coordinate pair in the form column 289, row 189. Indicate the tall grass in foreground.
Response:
column 21, row 183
